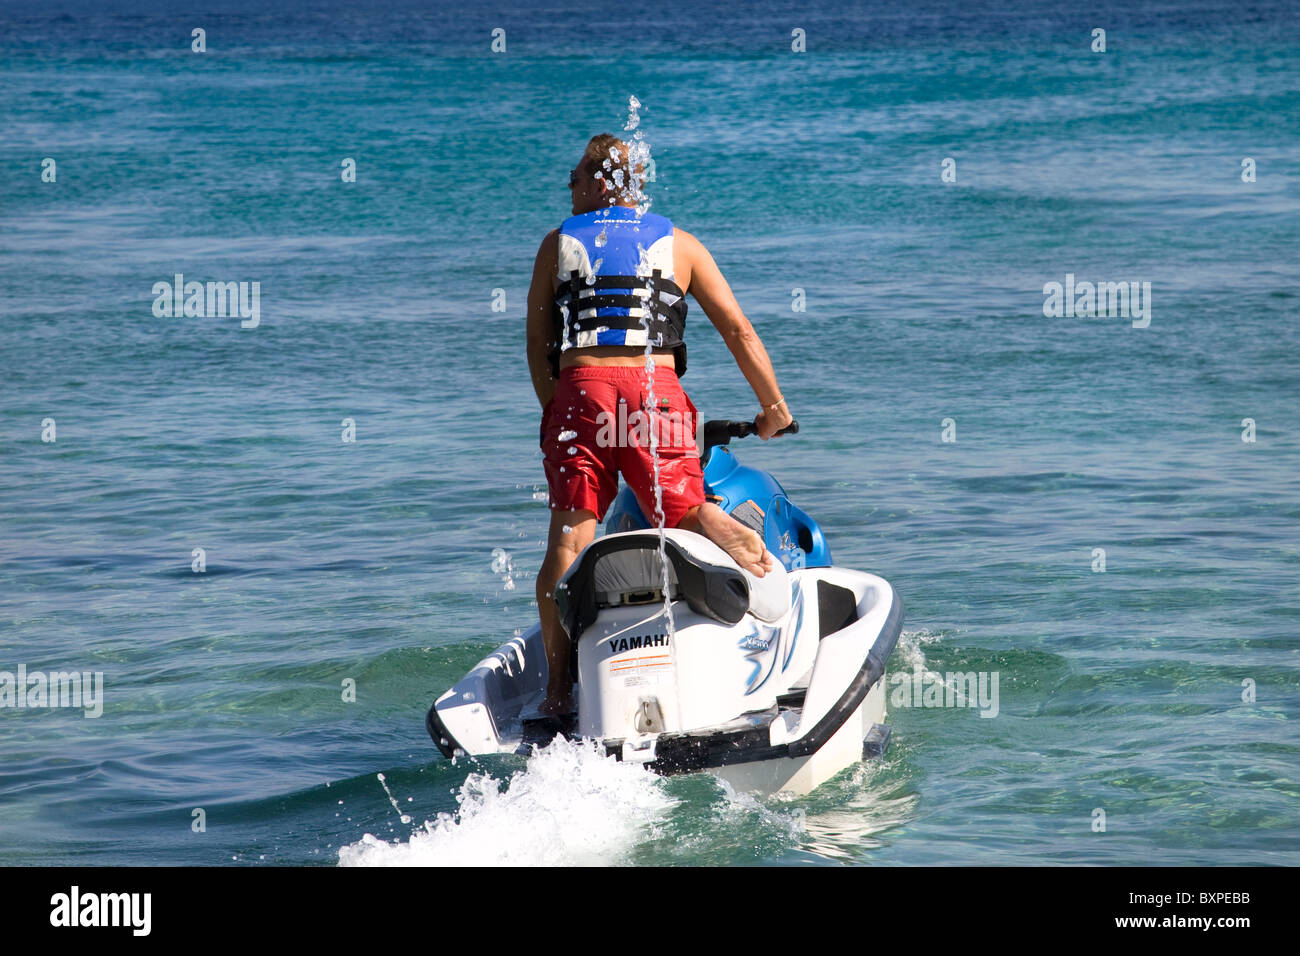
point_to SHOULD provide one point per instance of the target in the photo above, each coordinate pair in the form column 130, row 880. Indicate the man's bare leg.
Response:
column 741, row 542
column 561, row 550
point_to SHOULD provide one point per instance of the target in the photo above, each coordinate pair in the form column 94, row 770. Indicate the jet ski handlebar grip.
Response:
column 720, row 431
column 790, row 429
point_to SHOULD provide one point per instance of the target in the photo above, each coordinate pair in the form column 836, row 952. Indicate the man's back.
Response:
column 695, row 273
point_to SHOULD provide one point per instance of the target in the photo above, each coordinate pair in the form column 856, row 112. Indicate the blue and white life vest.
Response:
column 615, row 283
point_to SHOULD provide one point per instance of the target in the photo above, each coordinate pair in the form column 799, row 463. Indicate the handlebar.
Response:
column 721, row 431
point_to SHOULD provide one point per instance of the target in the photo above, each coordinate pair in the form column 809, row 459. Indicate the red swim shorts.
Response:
column 599, row 424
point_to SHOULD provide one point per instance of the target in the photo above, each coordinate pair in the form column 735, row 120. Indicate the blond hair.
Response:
column 609, row 158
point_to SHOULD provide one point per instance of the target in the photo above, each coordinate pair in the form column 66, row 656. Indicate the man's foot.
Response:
column 742, row 543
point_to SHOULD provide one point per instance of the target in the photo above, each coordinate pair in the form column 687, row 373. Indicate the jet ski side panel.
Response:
column 480, row 714
column 800, row 775
column 843, row 656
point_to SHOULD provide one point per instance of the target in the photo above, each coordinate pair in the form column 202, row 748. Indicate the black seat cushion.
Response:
column 630, row 561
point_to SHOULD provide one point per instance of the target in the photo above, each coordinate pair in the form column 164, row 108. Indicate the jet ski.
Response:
column 686, row 662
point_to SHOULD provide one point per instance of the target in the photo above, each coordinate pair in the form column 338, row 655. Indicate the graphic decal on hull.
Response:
column 760, row 642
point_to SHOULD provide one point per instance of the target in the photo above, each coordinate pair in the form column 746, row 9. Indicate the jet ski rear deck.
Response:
column 820, row 678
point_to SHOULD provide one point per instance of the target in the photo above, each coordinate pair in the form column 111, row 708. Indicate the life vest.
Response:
column 615, row 284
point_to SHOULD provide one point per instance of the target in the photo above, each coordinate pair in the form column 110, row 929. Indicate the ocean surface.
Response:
column 1161, row 691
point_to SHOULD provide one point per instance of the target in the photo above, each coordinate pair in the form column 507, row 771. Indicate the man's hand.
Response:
column 770, row 422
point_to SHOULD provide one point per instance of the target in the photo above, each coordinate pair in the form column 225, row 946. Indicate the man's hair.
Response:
column 608, row 156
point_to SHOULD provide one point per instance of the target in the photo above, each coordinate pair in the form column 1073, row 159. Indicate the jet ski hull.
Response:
column 808, row 704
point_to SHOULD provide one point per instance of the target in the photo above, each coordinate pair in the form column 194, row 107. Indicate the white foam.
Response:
column 571, row 806
column 911, row 647
column 789, row 822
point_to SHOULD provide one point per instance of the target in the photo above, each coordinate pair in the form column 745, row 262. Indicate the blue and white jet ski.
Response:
column 773, row 683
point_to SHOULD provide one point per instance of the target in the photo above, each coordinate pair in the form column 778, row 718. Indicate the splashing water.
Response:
column 911, row 648
column 564, row 340
column 571, row 806
column 639, row 157
column 383, row 782
column 660, row 519
column 790, row 823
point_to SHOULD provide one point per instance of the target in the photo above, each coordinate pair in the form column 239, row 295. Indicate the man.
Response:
column 604, row 284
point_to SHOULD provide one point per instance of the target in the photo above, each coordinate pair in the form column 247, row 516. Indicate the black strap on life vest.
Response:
column 666, row 322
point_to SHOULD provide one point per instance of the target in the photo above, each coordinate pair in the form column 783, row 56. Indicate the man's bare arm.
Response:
column 715, row 297
column 540, row 330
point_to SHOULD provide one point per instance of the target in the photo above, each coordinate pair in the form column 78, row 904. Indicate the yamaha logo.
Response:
column 618, row 645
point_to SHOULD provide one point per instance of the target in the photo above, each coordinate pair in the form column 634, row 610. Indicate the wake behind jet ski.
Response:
column 772, row 683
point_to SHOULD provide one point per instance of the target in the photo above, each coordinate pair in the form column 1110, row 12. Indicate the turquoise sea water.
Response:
column 372, row 561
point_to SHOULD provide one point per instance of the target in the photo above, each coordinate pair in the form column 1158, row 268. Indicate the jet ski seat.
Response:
column 623, row 569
